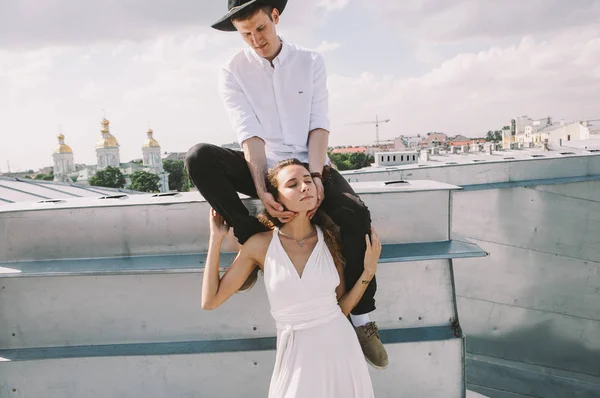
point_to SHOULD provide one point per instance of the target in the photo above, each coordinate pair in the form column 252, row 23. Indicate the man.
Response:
column 276, row 98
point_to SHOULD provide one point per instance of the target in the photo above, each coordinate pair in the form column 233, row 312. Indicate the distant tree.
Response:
column 494, row 136
column 178, row 177
column 144, row 181
column 351, row 161
column 359, row 160
column 340, row 161
column 45, row 177
column 110, row 177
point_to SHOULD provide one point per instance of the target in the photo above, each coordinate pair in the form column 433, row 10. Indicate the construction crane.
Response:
column 376, row 123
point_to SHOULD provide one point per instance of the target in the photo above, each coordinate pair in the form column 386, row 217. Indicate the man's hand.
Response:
column 275, row 209
column 320, row 196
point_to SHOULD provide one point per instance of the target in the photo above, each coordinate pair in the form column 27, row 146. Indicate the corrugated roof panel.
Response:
column 50, row 192
column 17, row 195
column 24, row 190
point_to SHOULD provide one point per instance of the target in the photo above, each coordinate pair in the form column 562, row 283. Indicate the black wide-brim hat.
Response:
column 236, row 6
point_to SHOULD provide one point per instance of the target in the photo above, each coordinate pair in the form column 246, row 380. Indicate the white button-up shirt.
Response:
column 280, row 104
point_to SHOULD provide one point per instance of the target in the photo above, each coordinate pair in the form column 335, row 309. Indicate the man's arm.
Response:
column 318, row 141
column 255, row 155
column 318, row 136
column 240, row 112
column 249, row 132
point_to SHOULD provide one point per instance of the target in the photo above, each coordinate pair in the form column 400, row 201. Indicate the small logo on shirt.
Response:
column 300, row 92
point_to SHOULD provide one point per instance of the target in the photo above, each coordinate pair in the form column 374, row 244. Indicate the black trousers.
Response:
column 220, row 173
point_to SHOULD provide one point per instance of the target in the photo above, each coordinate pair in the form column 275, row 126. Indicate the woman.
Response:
column 318, row 354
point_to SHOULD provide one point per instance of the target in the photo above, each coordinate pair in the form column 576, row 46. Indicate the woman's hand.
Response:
column 373, row 252
column 218, row 227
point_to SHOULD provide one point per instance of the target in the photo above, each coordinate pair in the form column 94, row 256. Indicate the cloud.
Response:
column 446, row 21
column 474, row 92
column 34, row 23
column 333, row 5
column 326, row 46
column 160, row 70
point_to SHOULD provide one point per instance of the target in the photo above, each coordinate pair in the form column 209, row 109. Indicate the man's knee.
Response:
column 198, row 157
column 355, row 216
column 362, row 217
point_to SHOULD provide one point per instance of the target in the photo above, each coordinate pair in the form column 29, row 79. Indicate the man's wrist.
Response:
column 316, row 174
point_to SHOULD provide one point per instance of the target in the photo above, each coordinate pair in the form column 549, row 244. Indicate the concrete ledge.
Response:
column 194, row 262
column 530, row 183
column 390, row 336
column 507, row 378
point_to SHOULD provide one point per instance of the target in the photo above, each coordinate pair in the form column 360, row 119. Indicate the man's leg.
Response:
column 219, row 174
column 349, row 212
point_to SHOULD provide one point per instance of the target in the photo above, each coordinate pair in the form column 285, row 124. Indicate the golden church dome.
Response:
column 62, row 147
column 150, row 141
column 107, row 140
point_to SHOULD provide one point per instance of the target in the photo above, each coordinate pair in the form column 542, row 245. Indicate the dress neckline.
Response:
column 310, row 257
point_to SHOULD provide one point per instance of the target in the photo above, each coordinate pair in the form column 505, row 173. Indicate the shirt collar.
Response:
column 279, row 59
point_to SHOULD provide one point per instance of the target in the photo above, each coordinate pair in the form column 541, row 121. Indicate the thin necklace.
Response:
column 299, row 242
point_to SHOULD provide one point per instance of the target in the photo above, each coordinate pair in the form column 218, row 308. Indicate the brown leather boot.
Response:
column 250, row 281
column 373, row 349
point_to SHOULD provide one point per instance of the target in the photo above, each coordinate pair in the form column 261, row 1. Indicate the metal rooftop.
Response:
column 14, row 189
column 445, row 158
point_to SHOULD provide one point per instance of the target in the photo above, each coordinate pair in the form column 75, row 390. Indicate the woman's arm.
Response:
column 349, row 300
column 216, row 290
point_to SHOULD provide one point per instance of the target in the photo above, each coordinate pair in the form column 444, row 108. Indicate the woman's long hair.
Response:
column 329, row 228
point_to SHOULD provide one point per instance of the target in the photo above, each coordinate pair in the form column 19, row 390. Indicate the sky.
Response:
column 460, row 67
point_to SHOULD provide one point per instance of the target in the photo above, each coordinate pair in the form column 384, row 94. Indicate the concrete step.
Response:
column 157, row 299
column 499, row 378
column 194, row 369
column 157, row 225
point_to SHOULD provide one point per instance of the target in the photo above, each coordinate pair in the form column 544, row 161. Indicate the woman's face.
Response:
column 296, row 189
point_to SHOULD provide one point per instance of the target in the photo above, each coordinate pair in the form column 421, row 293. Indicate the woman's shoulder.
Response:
column 259, row 242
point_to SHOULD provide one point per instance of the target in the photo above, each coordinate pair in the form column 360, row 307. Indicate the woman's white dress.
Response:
column 318, row 353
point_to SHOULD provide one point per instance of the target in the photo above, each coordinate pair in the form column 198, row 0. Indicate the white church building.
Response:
column 107, row 154
column 64, row 165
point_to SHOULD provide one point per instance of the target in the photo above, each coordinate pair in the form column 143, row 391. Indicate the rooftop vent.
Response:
column 509, row 158
column 567, row 153
column 395, row 182
column 163, row 194
column 113, row 196
column 538, row 156
column 51, row 201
